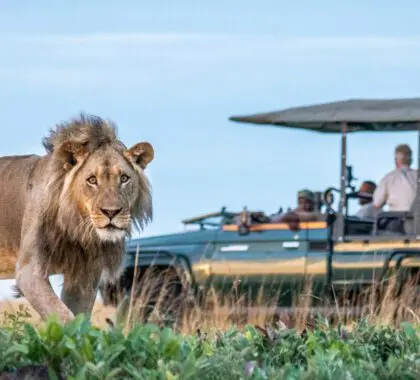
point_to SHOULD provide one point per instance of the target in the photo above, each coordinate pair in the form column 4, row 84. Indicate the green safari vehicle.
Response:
column 244, row 251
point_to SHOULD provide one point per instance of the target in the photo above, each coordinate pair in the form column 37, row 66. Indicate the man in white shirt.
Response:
column 398, row 188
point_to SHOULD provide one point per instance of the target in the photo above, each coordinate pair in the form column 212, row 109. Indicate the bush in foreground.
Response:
column 80, row 351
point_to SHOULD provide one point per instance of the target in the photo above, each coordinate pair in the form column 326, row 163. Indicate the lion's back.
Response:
column 15, row 172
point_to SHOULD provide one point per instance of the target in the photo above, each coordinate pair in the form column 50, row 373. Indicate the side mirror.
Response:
column 328, row 197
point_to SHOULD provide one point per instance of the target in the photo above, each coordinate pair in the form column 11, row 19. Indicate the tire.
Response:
column 159, row 293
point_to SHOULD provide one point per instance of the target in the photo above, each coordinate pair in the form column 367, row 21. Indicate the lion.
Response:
column 70, row 212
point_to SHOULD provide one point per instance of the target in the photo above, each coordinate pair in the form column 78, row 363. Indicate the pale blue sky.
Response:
column 173, row 72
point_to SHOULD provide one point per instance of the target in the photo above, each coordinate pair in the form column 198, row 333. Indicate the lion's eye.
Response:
column 124, row 178
column 92, row 180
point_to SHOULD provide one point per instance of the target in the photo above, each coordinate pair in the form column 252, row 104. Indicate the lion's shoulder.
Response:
column 18, row 158
column 16, row 167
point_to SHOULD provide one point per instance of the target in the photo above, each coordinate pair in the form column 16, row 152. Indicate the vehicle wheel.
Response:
column 159, row 296
column 409, row 281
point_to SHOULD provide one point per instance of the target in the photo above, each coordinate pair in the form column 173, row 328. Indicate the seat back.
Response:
column 399, row 222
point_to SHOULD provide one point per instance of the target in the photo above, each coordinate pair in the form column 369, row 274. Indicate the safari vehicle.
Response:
column 243, row 250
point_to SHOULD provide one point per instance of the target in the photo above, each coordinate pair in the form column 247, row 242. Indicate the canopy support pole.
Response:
column 342, row 206
column 416, row 208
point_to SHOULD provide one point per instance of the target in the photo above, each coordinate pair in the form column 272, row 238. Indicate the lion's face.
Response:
column 106, row 191
column 109, row 186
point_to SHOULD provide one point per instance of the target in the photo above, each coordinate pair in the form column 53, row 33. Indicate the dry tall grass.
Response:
column 160, row 297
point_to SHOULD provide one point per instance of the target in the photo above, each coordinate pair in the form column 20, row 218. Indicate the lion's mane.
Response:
column 65, row 235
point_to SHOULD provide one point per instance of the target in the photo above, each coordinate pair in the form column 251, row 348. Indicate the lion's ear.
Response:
column 71, row 153
column 141, row 154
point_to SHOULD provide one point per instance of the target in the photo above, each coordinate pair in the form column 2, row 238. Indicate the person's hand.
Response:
column 292, row 219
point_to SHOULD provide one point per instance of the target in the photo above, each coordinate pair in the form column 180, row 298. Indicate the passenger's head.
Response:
column 306, row 200
column 403, row 155
column 366, row 190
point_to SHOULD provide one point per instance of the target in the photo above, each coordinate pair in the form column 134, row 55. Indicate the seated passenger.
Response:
column 398, row 188
column 305, row 212
column 367, row 211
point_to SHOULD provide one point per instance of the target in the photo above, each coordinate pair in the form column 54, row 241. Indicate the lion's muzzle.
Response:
column 111, row 223
column 110, row 213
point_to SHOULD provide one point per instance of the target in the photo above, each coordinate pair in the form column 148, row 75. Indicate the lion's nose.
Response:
column 110, row 213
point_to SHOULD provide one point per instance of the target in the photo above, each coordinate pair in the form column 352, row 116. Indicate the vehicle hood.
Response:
column 181, row 238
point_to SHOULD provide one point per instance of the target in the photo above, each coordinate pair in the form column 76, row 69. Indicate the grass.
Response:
column 383, row 303
column 220, row 337
column 81, row 351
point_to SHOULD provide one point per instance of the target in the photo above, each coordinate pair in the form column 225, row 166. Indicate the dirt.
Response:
column 99, row 314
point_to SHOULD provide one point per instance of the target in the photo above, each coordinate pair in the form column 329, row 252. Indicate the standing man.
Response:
column 398, row 188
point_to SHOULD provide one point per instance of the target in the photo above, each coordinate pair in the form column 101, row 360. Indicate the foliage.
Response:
column 79, row 350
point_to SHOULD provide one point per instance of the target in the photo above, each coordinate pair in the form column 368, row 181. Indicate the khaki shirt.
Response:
column 304, row 216
column 367, row 212
column 397, row 189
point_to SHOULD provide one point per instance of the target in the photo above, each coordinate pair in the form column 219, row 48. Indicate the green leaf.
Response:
column 165, row 335
column 17, row 348
column 170, row 376
column 115, row 355
column 55, row 331
column 409, row 330
column 31, row 333
column 171, row 349
column 114, row 373
column 81, row 373
column 87, row 349
column 51, row 374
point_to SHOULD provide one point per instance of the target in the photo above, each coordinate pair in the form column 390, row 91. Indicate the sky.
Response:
column 172, row 73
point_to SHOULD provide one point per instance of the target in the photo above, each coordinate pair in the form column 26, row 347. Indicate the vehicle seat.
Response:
column 356, row 226
column 393, row 223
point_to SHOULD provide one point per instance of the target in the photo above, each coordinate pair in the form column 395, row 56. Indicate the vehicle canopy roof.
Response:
column 368, row 115
column 346, row 116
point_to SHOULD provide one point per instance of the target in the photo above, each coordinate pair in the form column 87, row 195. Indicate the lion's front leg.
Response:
column 80, row 298
column 39, row 293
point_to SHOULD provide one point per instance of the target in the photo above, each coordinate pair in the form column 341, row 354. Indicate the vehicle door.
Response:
column 358, row 265
column 268, row 262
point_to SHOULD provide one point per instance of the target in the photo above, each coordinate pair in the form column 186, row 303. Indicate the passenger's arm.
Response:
column 380, row 195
